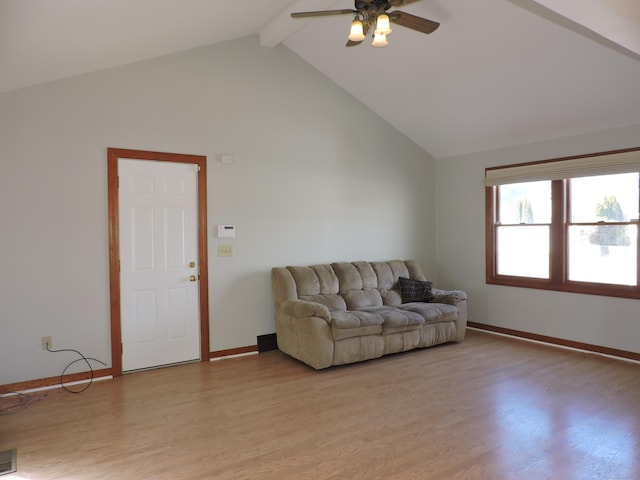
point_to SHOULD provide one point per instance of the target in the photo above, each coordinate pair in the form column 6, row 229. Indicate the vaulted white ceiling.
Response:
column 496, row 73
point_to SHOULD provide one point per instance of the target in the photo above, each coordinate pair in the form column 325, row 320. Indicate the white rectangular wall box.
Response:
column 226, row 158
column 226, row 231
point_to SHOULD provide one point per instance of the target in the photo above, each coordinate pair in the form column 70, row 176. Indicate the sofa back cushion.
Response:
column 318, row 283
column 333, row 301
column 359, row 299
column 358, row 285
column 315, row 280
column 388, row 274
column 355, row 276
column 354, row 285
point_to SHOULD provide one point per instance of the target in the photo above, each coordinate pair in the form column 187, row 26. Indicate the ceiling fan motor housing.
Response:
column 369, row 10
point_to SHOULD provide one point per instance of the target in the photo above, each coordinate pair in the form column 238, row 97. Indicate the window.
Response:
column 567, row 224
column 522, row 229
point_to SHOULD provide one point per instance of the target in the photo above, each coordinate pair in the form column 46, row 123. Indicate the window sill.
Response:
column 619, row 291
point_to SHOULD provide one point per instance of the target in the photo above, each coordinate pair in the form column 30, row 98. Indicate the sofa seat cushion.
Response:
column 397, row 320
column 432, row 312
column 354, row 319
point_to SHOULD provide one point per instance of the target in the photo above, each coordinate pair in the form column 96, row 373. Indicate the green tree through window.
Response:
column 609, row 235
column 524, row 212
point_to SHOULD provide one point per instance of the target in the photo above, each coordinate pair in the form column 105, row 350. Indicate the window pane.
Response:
column 603, row 254
column 611, row 198
column 523, row 251
column 525, row 203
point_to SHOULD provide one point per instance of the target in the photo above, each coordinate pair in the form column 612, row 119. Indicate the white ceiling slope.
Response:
column 496, row 73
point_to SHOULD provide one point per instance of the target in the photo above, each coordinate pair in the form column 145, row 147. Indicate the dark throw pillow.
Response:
column 415, row 290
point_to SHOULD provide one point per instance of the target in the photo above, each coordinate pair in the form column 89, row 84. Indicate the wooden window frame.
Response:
column 559, row 229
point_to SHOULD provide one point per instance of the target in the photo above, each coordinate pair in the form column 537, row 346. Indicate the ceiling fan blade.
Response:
column 322, row 13
column 411, row 21
column 401, row 3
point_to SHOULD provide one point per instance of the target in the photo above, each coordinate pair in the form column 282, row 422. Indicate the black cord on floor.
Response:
column 82, row 358
column 21, row 401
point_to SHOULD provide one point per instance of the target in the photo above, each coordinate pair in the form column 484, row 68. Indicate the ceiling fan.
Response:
column 372, row 15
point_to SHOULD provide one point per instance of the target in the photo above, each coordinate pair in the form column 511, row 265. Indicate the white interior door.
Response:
column 159, row 294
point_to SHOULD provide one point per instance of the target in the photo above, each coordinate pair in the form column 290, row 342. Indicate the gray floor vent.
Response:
column 8, row 463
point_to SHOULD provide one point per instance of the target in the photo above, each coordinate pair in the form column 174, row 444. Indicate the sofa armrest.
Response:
column 452, row 297
column 458, row 298
column 303, row 309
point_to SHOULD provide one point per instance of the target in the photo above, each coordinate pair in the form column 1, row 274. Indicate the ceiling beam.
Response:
column 614, row 24
column 616, row 20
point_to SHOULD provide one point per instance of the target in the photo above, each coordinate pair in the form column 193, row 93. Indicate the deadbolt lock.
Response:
column 192, row 264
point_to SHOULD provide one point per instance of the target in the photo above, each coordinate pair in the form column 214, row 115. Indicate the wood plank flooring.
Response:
column 488, row 408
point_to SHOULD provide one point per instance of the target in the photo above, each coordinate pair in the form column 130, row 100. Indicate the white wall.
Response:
column 605, row 321
column 317, row 178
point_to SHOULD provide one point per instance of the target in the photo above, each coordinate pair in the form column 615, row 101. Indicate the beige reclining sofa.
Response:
column 352, row 311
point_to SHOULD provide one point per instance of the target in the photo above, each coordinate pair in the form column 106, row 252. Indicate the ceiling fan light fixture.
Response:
column 380, row 40
column 357, row 32
column 383, row 26
column 371, row 16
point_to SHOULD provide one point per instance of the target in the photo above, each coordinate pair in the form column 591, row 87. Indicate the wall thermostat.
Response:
column 226, row 231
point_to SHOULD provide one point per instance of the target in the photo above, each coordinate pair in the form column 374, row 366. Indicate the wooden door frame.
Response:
column 113, row 154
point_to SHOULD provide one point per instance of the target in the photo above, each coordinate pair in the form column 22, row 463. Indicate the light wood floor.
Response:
column 488, row 408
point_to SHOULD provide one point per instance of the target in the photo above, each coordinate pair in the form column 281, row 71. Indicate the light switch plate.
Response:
column 225, row 250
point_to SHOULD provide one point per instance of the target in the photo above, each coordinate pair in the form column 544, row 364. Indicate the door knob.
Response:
column 193, row 278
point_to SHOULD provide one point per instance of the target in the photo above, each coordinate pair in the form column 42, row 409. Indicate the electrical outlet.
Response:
column 225, row 250
column 47, row 343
